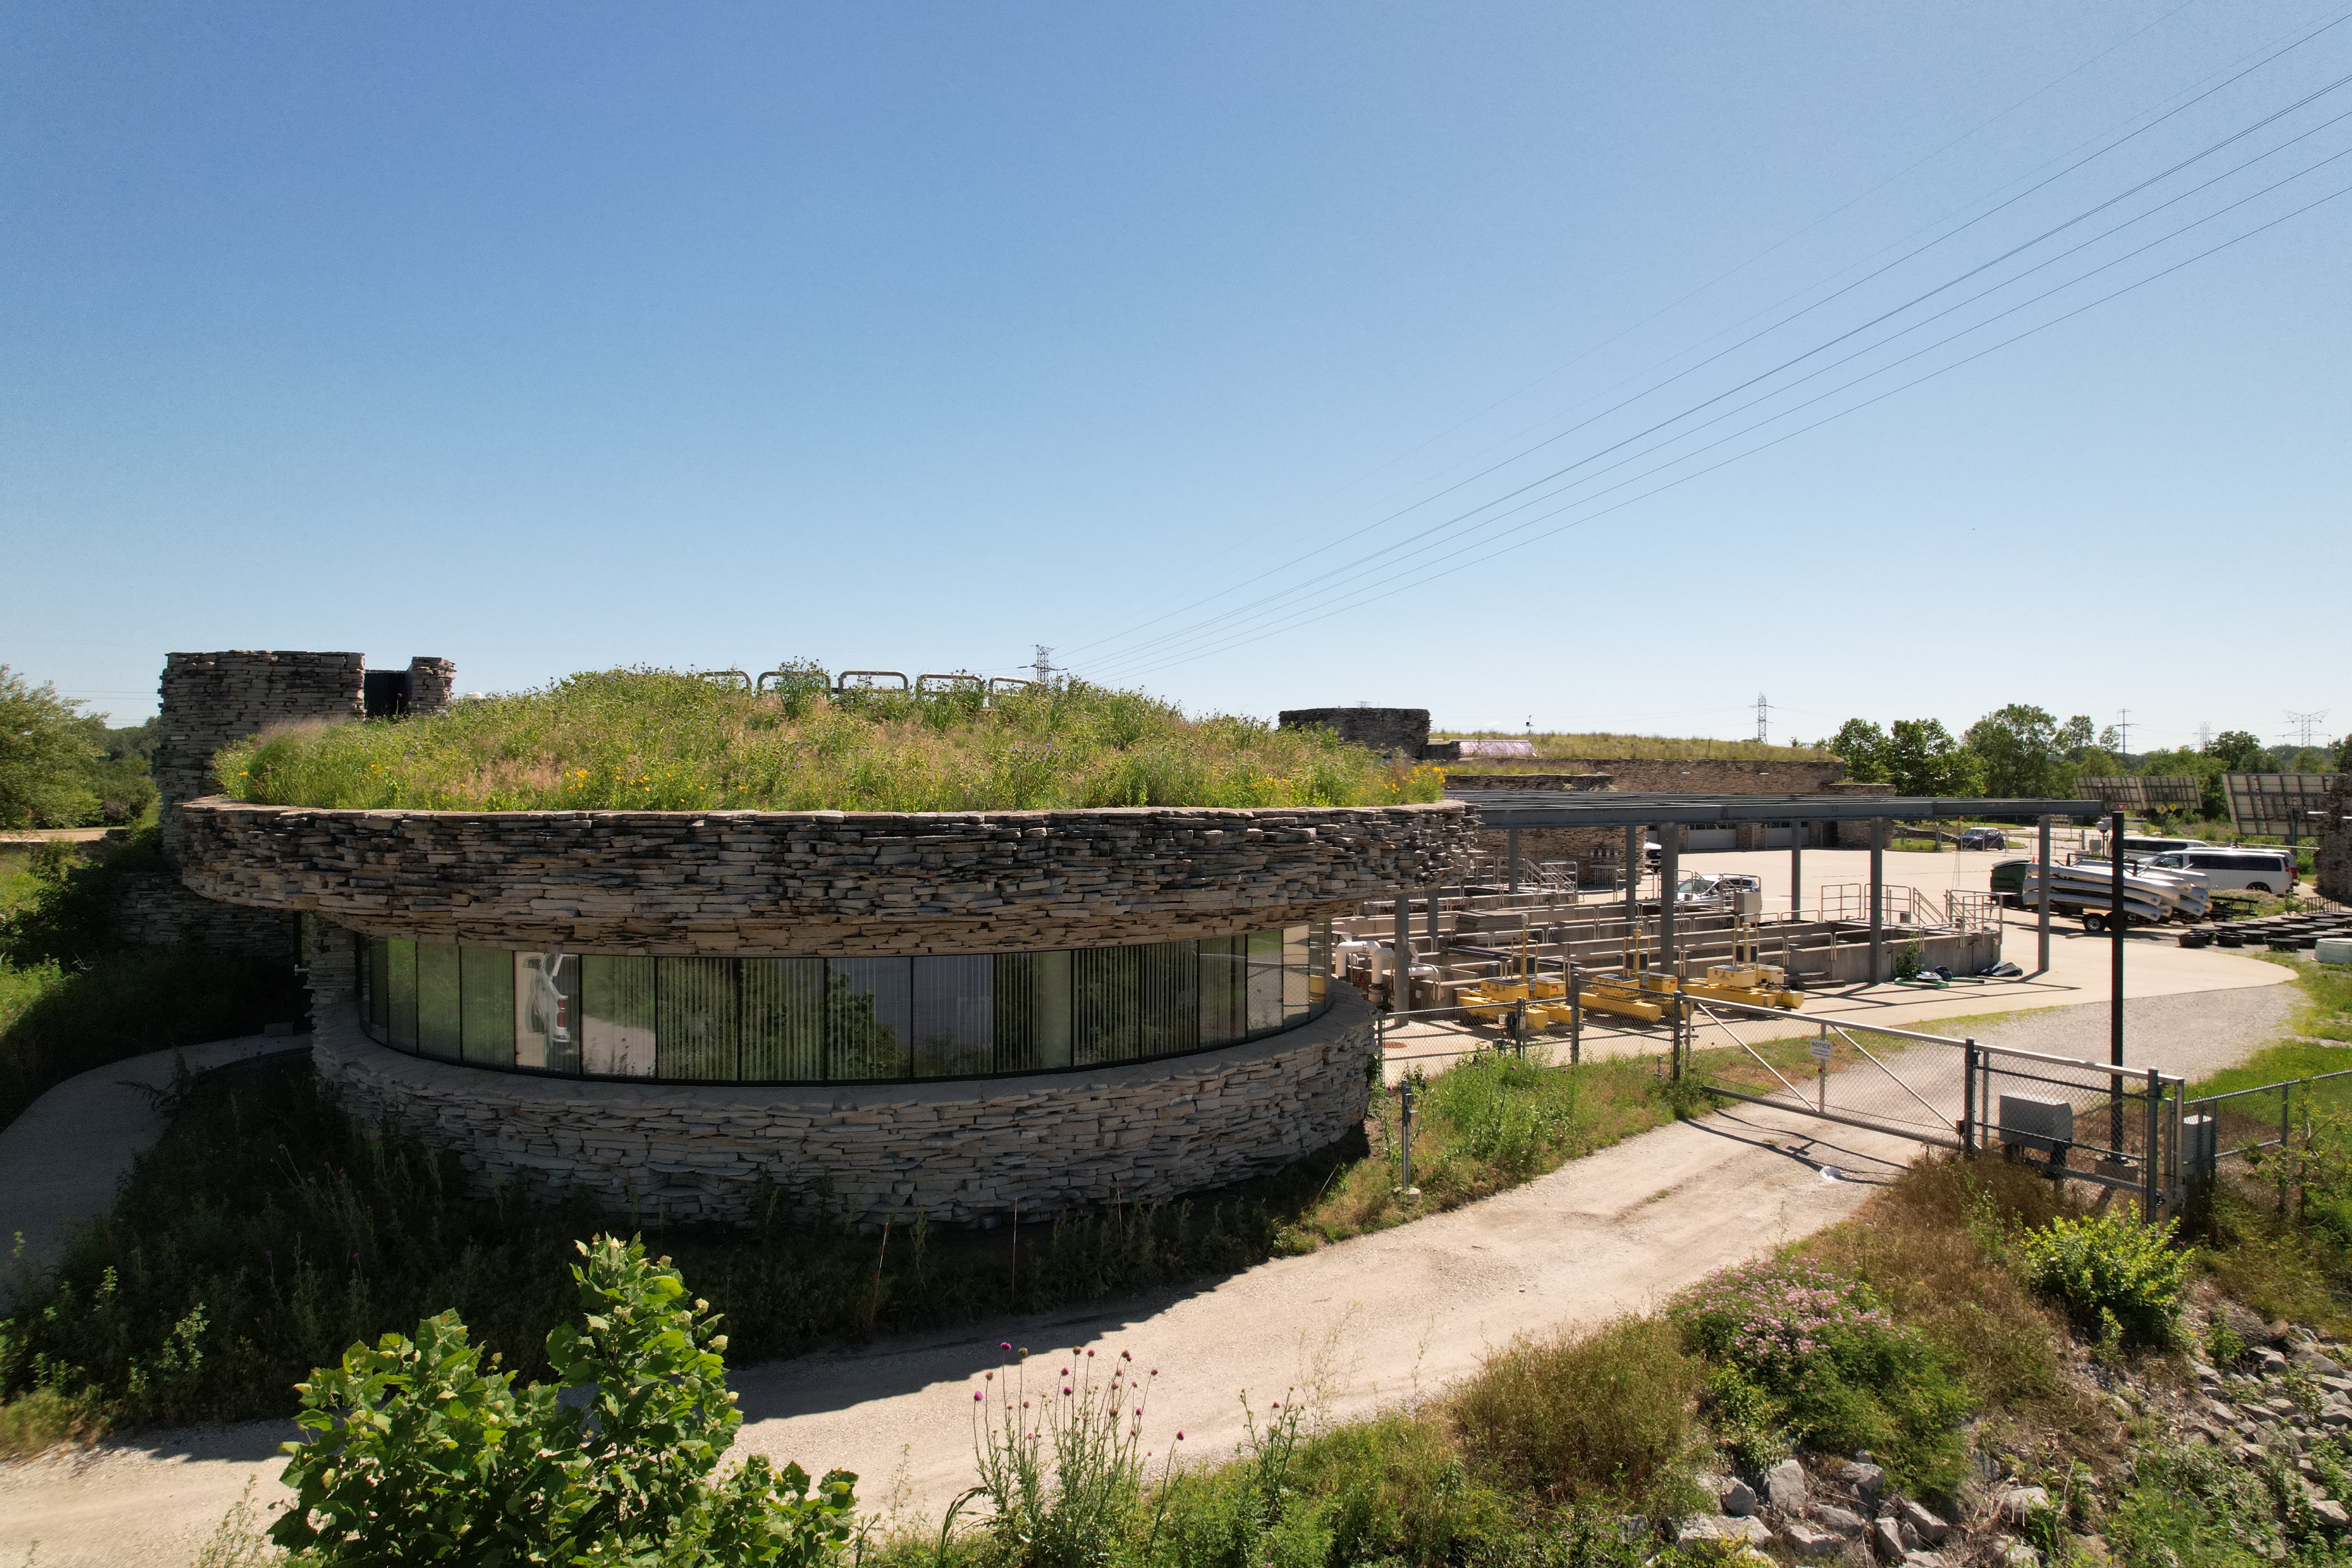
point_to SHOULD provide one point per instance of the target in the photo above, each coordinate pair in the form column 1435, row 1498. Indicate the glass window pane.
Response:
column 1032, row 1011
column 399, row 992
column 1265, row 980
column 783, row 1019
column 547, row 1011
column 1171, row 998
column 1296, row 958
column 440, row 1019
column 867, row 1021
column 616, row 1025
column 489, row 1001
column 955, row 1015
column 694, row 1018
column 378, row 971
column 1106, row 986
column 1224, row 989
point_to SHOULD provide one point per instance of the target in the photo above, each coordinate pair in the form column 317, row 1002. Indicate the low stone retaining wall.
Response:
column 961, row 1151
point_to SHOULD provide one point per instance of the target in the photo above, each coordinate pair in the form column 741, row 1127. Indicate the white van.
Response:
column 2140, row 848
column 2235, row 870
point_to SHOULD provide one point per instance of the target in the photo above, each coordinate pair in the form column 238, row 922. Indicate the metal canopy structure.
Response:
column 1510, row 810
column 1504, row 808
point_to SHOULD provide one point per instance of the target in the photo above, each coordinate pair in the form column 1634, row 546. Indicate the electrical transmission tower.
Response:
column 2204, row 736
column 2122, row 732
column 1045, row 665
column 1762, row 709
column 2305, row 723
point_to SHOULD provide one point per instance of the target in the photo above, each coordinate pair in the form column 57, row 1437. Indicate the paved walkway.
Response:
column 1371, row 1322
column 62, row 1159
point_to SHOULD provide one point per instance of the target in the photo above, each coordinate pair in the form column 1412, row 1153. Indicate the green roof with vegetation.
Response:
column 649, row 740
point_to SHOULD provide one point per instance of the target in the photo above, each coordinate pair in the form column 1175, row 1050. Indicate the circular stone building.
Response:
column 868, row 1014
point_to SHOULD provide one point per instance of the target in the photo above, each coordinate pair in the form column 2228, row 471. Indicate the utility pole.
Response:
column 1762, row 709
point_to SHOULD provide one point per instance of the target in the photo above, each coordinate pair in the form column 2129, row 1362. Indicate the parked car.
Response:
column 2140, row 848
column 1984, row 838
column 2234, row 870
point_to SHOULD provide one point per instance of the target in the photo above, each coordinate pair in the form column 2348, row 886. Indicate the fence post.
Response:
column 1969, row 1096
column 1575, row 1015
column 2152, row 1154
column 1675, row 1040
column 2286, row 1091
column 1405, row 1098
column 1519, row 1028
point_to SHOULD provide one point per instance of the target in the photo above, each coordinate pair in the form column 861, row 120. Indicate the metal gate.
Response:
column 2075, row 1120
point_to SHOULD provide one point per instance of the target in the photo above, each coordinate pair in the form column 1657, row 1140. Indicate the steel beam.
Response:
column 1877, row 899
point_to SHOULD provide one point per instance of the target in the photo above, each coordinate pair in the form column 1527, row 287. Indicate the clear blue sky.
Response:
column 545, row 337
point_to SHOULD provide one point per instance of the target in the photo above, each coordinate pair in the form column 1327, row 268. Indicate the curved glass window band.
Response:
column 836, row 1020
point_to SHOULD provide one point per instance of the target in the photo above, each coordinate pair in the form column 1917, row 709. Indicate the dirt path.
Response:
column 1371, row 1322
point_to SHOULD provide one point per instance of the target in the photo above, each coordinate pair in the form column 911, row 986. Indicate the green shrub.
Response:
column 418, row 1453
column 656, row 740
column 2118, row 1279
column 1839, row 1371
column 1607, row 1417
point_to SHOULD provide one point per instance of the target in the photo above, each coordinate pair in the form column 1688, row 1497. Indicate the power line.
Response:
column 1369, row 597
column 1784, row 321
column 1207, row 629
column 1148, row 646
column 1677, row 303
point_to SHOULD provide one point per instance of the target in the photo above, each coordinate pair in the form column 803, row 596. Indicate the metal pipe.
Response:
column 1877, row 899
column 1968, row 1097
column 1404, row 1096
column 2152, row 1154
column 2041, row 965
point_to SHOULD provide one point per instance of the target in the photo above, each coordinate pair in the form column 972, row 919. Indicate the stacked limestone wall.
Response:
column 814, row 882
column 215, row 699
column 155, row 909
column 960, row 1152
column 2332, row 859
column 1393, row 732
column 432, row 683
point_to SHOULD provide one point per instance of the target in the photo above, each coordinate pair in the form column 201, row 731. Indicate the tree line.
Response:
column 60, row 767
column 2021, row 752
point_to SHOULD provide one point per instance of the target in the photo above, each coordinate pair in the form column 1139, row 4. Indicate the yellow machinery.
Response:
column 1745, row 979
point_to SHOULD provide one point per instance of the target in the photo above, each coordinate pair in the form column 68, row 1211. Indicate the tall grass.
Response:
column 656, row 740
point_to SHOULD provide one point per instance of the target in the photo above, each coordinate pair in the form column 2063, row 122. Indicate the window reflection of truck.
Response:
column 547, row 1011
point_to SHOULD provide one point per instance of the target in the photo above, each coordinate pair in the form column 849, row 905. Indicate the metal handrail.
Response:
column 819, row 678
column 865, row 680
column 960, row 680
column 733, row 677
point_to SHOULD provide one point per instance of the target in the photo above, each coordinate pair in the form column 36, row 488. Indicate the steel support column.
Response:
column 1796, row 870
column 2115, row 918
column 1877, row 899
column 2041, row 929
column 1635, row 835
column 1669, row 856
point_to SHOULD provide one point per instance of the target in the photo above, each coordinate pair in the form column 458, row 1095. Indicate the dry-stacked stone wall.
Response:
column 814, row 883
column 1393, row 732
column 2332, row 858
column 960, row 1152
column 151, row 909
column 215, row 699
